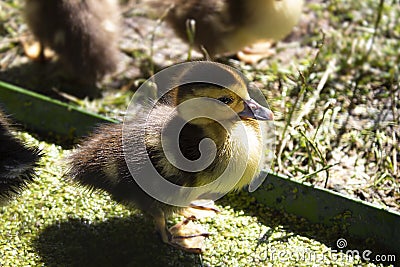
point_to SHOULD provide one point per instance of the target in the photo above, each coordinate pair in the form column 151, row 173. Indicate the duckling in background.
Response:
column 226, row 26
column 83, row 33
column 17, row 161
column 102, row 161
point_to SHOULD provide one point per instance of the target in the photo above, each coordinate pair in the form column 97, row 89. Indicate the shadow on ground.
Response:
column 115, row 242
column 133, row 242
column 294, row 225
column 47, row 78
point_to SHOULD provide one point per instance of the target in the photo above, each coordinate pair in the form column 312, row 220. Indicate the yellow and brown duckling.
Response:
column 83, row 33
column 17, row 161
column 102, row 161
column 227, row 26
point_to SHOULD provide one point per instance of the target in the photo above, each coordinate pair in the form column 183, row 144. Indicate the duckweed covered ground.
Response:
column 54, row 223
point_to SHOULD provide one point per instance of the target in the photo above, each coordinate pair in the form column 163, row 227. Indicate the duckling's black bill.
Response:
column 253, row 110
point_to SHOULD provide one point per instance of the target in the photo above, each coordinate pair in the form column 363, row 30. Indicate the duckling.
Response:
column 17, row 161
column 114, row 160
column 83, row 33
column 226, row 26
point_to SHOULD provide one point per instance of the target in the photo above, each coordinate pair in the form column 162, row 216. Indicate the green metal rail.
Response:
column 362, row 222
column 46, row 115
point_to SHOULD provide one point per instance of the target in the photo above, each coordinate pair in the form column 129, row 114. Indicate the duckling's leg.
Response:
column 187, row 237
column 161, row 225
column 256, row 52
column 201, row 208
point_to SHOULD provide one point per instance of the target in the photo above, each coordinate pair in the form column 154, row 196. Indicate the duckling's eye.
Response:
column 226, row 100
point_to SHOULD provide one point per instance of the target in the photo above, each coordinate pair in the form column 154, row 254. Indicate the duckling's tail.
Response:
column 99, row 163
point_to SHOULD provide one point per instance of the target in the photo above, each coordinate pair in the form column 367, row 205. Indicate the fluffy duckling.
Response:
column 226, row 26
column 83, row 33
column 104, row 160
column 17, row 161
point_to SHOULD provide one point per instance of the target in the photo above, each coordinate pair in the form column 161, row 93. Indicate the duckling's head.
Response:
column 216, row 92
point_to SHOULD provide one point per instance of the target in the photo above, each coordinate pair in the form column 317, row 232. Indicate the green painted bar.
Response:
column 46, row 115
column 363, row 220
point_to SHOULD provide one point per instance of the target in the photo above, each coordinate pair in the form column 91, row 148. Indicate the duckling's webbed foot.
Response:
column 185, row 235
column 254, row 53
column 188, row 236
column 36, row 51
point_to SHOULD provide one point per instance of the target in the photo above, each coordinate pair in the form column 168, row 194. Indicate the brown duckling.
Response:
column 226, row 26
column 114, row 160
column 17, row 161
column 83, row 33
